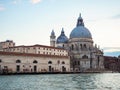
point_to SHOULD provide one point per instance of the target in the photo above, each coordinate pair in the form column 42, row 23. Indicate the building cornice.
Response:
column 31, row 54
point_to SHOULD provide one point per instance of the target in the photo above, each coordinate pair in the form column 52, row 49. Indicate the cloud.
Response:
column 111, row 49
column 2, row 8
column 116, row 16
column 35, row 1
column 16, row 1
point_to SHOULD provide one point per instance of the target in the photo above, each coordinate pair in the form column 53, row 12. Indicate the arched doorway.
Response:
column 50, row 69
column 35, row 68
column 18, row 68
column 18, row 65
column 63, row 69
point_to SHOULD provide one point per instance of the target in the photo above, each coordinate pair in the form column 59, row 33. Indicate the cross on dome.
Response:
column 80, row 16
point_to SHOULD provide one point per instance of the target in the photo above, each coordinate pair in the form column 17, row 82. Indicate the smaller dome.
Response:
column 62, row 38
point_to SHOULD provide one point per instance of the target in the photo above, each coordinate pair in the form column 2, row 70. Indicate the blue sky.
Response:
column 30, row 22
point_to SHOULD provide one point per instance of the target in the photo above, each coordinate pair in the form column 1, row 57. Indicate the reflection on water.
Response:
column 61, row 82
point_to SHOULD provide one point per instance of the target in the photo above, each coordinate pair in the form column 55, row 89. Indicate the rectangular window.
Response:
column 18, row 68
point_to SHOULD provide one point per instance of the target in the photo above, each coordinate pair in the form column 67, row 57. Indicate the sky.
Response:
column 30, row 22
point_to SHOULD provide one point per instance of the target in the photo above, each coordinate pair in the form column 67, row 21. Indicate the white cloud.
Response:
column 116, row 16
column 112, row 49
column 2, row 8
column 16, row 1
column 35, row 1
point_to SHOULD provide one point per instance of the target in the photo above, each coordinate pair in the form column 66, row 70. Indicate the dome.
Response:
column 62, row 38
column 80, row 31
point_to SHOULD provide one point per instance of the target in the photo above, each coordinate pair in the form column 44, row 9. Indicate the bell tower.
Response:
column 52, row 39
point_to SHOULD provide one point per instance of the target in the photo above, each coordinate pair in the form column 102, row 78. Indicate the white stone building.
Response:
column 33, row 59
column 14, row 62
column 83, row 54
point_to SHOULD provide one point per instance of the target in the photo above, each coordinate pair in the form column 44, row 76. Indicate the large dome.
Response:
column 80, row 31
column 62, row 38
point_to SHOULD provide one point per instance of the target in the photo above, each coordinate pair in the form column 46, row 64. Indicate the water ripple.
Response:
column 105, row 81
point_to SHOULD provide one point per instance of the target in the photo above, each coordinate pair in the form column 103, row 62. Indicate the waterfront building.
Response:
column 83, row 54
column 33, row 59
column 14, row 62
column 74, row 54
column 112, row 63
column 6, row 44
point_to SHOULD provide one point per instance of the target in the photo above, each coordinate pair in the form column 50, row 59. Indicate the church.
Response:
column 83, row 54
column 74, row 54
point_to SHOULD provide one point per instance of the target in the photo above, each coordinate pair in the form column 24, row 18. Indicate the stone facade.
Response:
column 13, row 62
column 6, row 44
column 33, row 59
column 112, row 63
column 83, row 54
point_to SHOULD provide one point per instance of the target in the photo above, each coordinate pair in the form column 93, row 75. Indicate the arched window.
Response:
column 18, row 61
column 72, row 47
column 85, row 46
column 98, row 60
column 63, row 62
column 85, row 57
column 35, row 61
column 58, row 62
column 75, row 62
column 78, row 62
column 50, row 62
column 0, row 60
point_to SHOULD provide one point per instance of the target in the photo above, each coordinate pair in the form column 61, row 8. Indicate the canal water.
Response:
column 106, row 81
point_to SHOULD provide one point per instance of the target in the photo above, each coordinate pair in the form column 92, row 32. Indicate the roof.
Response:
column 29, row 54
column 80, row 31
column 62, row 38
column 37, row 45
